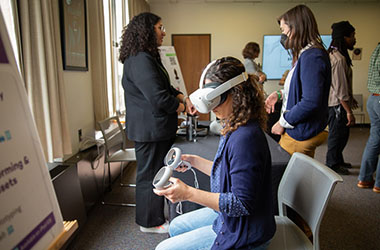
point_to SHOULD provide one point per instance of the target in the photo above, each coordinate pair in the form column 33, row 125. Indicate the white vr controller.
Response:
column 172, row 161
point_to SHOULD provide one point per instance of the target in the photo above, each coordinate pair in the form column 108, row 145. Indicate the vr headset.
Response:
column 209, row 96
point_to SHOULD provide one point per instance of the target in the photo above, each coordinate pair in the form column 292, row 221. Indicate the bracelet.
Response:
column 279, row 94
column 184, row 98
column 184, row 107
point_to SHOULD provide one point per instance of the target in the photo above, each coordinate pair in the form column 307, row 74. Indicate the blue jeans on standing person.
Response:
column 193, row 231
column 370, row 159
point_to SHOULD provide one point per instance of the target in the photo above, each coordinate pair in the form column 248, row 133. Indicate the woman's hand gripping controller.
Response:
column 172, row 161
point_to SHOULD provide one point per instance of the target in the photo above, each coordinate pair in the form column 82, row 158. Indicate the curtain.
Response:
column 136, row 7
column 42, row 64
column 98, row 61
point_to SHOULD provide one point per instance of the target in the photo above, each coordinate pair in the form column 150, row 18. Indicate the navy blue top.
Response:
column 242, row 174
column 307, row 104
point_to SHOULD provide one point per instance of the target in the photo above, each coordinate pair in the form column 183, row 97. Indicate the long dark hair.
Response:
column 339, row 31
column 139, row 36
column 340, row 44
column 247, row 97
column 303, row 29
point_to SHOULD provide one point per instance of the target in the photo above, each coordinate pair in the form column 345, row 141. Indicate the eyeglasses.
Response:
column 162, row 28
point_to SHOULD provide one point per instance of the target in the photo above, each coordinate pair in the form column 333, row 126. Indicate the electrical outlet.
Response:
column 80, row 134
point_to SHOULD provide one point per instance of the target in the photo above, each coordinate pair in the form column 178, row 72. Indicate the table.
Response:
column 206, row 147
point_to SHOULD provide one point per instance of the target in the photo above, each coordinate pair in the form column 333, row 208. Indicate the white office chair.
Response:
column 359, row 112
column 115, row 138
column 306, row 187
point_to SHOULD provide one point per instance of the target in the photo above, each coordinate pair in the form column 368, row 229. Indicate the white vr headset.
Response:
column 205, row 99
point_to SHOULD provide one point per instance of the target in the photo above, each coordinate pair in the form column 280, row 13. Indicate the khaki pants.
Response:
column 306, row 147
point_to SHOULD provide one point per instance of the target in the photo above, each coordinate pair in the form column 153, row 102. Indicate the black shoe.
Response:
column 346, row 165
column 341, row 170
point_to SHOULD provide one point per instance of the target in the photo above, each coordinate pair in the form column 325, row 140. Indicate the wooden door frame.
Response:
column 205, row 36
column 209, row 35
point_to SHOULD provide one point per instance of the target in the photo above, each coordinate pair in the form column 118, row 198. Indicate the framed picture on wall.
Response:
column 74, row 34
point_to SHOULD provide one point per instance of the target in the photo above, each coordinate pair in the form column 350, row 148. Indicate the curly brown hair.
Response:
column 247, row 97
column 139, row 36
column 250, row 49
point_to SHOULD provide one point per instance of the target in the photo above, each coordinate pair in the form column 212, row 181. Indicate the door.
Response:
column 193, row 53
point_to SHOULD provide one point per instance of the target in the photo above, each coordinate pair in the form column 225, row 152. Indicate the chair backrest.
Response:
column 113, row 133
column 306, row 187
column 359, row 99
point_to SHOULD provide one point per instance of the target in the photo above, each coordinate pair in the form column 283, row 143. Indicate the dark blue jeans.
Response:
column 338, row 135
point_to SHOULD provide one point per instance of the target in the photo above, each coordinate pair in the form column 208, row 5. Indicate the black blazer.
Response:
column 150, row 100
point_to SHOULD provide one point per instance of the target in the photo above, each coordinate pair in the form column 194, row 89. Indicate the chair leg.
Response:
column 110, row 188
column 109, row 177
column 121, row 177
column 103, row 184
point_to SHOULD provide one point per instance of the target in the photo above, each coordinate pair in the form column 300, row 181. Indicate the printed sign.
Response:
column 170, row 61
column 29, row 214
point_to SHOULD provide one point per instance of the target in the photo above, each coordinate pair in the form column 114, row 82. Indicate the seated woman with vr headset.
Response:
column 238, row 211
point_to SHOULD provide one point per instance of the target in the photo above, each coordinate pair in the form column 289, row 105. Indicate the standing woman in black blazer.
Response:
column 152, row 105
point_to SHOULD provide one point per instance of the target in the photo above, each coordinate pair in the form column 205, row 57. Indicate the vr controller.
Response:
column 172, row 161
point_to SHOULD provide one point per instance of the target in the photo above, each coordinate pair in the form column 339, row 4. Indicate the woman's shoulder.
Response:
column 248, row 139
column 247, row 60
column 247, row 132
column 144, row 55
column 316, row 57
column 140, row 56
column 314, row 52
column 141, row 59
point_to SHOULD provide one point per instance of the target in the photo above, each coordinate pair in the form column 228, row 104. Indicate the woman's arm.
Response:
column 189, row 107
column 198, row 162
column 179, row 191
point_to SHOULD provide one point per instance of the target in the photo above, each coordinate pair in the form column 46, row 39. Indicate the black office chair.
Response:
column 114, row 136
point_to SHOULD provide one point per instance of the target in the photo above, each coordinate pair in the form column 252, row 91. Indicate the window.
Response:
column 115, row 18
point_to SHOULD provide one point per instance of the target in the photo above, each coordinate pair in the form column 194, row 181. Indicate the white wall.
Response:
column 79, row 104
column 232, row 25
column 78, row 91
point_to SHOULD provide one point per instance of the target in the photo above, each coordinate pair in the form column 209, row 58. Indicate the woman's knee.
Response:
column 164, row 245
column 175, row 227
column 191, row 221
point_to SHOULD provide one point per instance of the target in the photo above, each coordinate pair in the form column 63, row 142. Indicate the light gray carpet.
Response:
column 351, row 221
column 352, row 218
